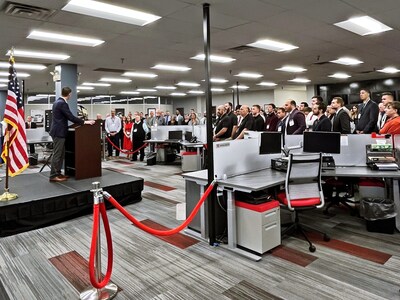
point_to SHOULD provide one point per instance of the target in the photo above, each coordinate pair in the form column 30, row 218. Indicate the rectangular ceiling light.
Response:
column 218, row 80
column 215, row 58
column 178, row 94
column 3, row 85
column 240, row 87
column 165, row 87
column 140, row 74
column 171, row 68
column 146, row 90
column 130, row 93
column 363, row 25
column 272, row 45
column 300, row 80
column 195, row 92
column 63, row 38
column 267, row 83
column 119, row 80
column 81, row 87
column 389, row 70
column 190, row 84
column 347, row 61
column 23, row 66
column 340, row 75
column 39, row 54
column 19, row 74
column 217, row 90
column 292, row 69
column 4, row 80
column 249, row 75
column 96, row 84
column 110, row 12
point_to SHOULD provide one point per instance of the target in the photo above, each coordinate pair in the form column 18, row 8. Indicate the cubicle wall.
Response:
column 161, row 132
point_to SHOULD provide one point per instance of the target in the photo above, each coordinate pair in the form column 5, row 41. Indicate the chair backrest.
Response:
column 303, row 179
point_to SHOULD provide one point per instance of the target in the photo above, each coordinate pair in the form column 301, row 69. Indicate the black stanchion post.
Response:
column 237, row 92
column 210, row 152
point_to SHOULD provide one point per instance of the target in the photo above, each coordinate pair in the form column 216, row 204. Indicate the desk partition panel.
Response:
column 161, row 132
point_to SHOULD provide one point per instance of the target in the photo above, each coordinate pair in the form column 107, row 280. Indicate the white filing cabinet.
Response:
column 258, row 226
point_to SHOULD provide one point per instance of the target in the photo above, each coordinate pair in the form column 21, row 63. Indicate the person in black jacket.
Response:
column 341, row 118
column 322, row 123
column 138, row 135
column 30, row 125
column 259, row 123
column 368, row 117
column 58, row 131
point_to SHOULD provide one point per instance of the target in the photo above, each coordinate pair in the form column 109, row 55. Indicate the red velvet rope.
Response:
column 160, row 232
column 123, row 150
column 93, row 247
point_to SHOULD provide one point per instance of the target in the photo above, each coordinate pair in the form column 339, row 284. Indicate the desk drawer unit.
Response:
column 258, row 226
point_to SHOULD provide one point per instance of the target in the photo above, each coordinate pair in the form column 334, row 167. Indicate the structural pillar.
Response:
column 68, row 76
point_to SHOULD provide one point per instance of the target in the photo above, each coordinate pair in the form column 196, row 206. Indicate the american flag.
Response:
column 14, row 117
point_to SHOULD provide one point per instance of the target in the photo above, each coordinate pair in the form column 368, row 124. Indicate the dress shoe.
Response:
column 57, row 179
column 63, row 176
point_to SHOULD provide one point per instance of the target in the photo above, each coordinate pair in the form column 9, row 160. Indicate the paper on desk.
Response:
column 344, row 140
column 181, row 211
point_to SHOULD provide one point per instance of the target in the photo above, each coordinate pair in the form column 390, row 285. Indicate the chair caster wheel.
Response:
column 325, row 212
column 312, row 248
column 326, row 238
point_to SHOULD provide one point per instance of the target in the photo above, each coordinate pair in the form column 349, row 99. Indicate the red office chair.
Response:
column 303, row 191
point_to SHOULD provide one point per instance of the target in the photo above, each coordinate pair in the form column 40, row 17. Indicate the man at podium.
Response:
column 58, row 131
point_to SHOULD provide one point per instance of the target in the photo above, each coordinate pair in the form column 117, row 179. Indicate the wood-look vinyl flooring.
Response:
column 146, row 267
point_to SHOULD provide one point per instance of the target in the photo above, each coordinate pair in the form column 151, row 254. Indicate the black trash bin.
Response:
column 379, row 213
column 151, row 158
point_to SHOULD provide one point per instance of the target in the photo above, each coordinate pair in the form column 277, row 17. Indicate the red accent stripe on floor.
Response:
column 159, row 186
column 74, row 268
column 295, row 256
column 179, row 240
column 359, row 251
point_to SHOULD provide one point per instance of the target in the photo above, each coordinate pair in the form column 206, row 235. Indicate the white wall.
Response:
column 281, row 95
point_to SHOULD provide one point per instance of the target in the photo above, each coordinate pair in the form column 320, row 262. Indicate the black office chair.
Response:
column 335, row 185
column 303, row 191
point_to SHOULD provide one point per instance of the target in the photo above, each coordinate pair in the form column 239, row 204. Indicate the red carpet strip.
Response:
column 246, row 291
column 295, row 256
column 361, row 252
column 122, row 162
column 74, row 268
column 159, row 186
column 179, row 240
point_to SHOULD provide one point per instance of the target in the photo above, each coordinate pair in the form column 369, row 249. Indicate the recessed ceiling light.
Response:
column 217, row 90
column 363, row 25
column 300, row 80
column 347, row 61
column 190, row 84
column 63, row 38
column 215, row 58
column 240, row 87
column 81, row 87
column 292, row 69
column 130, row 93
column 165, row 87
column 146, row 90
column 340, row 75
column 140, row 74
column 217, row 80
column 110, row 12
column 249, row 75
column 23, row 66
column 19, row 74
column 272, row 45
column 4, row 80
column 171, row 68
column 3, row 85
column 267, row 83
column 96, row 84
column 195, row 92
column 178, row 94
column 120, row 80
column 39, row 54
column 389, row 70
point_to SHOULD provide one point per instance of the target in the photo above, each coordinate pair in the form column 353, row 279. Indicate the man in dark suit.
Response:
column 322, row 123
column 295, row 121
column 368, row 116
column 341, row 118
column 58, row 131
column 30, row 125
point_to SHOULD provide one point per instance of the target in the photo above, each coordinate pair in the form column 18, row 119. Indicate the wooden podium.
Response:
column 83, row 151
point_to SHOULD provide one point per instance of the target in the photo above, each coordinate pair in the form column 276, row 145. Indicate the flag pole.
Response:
column 7, row 196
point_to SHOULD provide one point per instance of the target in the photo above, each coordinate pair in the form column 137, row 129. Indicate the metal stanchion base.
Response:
column 6, row 196
column 108, row 292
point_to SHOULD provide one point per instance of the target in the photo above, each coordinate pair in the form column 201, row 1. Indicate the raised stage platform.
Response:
column 41, row 203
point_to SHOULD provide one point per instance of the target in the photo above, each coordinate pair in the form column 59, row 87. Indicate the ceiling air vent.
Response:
column 27, row 11
column 321, row 63
column 109, row 70
column 242, row 48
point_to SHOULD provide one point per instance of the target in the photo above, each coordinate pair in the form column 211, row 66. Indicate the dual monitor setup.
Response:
column 176, row 135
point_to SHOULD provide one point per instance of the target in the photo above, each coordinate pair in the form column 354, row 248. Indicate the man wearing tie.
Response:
column 30, row 125
column 386, row 98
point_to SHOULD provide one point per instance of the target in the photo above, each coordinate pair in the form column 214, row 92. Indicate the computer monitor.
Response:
column 175, row 135
column 271, row 142
column 321, row 141
column 188, row 136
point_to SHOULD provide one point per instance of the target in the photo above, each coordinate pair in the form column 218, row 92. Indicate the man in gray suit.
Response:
column 368, row 116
